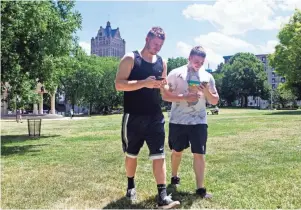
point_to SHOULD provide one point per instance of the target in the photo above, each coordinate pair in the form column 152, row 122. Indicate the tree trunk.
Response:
column 52, row 103
column 246, row 101
column 90, row 108
column 242, row 102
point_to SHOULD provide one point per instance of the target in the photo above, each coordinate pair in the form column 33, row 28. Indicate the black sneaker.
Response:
column 175, row 181
column 167, row 203
column 203, row 193
column 131, row 194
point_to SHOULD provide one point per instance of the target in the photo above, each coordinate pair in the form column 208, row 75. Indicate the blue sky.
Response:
column 222, row 27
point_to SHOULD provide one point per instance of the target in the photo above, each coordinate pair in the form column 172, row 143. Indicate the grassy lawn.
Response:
column 253, row 161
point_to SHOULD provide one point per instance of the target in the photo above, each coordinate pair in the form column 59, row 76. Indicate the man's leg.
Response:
column 175, row 162
column 130, row 166
column 159, row 170
column 198, row 140
column 199, row 169
column 155, row 139
column 131, row 143
column 178, row 141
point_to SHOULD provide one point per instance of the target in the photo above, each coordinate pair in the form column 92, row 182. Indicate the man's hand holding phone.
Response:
column 154, row 82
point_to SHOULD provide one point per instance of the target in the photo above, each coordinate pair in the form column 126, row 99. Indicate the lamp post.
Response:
column 258, row 99
column 272, row 99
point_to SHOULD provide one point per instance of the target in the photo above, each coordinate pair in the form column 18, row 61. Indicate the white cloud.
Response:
column 289, row 5
column 184, row 49
column 212, row 58
column 86, row 47
column 218, row 45
column 223, row 43
column 239, row 16
column 269, row 47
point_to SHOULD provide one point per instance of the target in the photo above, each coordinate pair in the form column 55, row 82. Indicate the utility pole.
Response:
column 272, row 99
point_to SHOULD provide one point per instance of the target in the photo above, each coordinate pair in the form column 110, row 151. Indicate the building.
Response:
column 273, row 79
column 108, row 42
column 37, row 108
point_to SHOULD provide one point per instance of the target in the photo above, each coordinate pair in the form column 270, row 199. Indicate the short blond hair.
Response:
column 156, row 32
column 199, row 51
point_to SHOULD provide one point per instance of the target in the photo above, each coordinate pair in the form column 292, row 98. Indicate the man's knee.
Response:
column 199, row 156
column 158, row 163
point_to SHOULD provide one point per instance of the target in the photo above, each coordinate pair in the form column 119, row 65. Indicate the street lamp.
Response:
column 258, row 99
column 272, row 99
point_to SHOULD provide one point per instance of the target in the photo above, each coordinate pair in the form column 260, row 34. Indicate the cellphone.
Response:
column 159, row 78
column 204, row 83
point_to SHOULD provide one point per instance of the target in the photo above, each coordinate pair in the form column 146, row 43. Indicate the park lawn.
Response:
column 253, row 161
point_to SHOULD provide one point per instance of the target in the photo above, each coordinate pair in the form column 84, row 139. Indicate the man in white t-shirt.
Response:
column 189, row 87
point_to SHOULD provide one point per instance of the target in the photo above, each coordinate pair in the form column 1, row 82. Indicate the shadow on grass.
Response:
column 186, row 199
column 5, row 139
column 20, row 150
column 292, row 112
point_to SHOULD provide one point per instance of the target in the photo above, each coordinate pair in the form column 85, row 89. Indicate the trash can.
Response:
column 34, row 127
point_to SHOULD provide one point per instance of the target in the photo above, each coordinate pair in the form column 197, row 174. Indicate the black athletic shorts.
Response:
column 182, row 136
column 137, row 128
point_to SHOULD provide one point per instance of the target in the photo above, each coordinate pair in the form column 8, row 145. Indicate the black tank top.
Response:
column 144, row 101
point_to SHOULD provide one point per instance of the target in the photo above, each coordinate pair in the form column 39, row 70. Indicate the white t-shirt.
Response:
column 184, row 112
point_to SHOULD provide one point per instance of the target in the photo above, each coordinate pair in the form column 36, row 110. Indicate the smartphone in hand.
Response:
column 159, row 78
column 204, row 83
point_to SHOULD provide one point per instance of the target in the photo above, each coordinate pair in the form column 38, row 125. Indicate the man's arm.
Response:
column 121, row 81
column 210, row 91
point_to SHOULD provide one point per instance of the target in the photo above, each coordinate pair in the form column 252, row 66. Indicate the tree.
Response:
column 283, row 96
column 219, row 68
column 243, row 76
column 173, row 63
column 91, row 82
column 100, row 88
column 34, row 36
column 218, row 77
column 287, row 57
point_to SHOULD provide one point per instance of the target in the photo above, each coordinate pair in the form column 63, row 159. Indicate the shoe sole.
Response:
column 170, row 206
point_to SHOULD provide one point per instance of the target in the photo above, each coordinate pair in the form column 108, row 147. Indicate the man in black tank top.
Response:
column 140, row 76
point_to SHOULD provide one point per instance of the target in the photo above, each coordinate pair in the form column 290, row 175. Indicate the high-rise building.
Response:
column 108, row 42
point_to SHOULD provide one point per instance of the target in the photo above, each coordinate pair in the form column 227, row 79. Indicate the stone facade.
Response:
column 108, row 43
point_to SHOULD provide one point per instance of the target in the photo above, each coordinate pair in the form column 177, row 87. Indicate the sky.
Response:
column 222, row 27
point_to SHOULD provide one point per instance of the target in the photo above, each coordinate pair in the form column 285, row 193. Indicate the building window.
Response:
column 273, row 74
column 283, row 80
column 273, row 86
column 273, row 80
column 263, row 59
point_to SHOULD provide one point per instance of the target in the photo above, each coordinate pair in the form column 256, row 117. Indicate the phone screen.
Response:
column 159, row 78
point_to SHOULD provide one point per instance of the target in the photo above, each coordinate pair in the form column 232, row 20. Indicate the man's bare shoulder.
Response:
column 128, row 57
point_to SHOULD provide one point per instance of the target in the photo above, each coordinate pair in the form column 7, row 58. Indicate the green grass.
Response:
column 253, row 161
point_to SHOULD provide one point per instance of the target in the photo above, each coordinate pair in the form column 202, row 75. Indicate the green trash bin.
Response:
column 34, row 127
